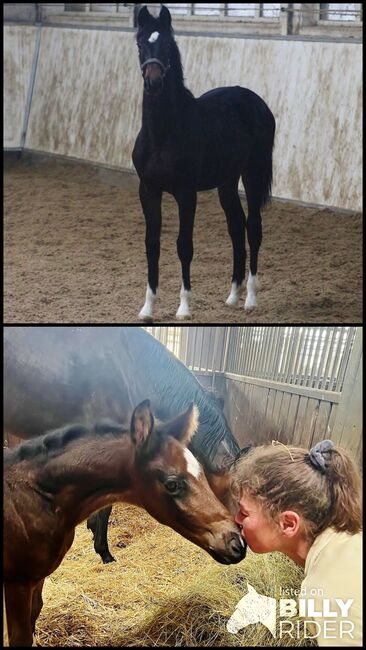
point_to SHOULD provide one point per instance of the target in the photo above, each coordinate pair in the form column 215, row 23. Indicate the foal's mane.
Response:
column 53, row 443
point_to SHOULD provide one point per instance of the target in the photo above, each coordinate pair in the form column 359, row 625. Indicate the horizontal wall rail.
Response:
column 324, row 395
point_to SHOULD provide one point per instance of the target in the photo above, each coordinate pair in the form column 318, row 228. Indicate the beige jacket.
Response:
column 333, row 570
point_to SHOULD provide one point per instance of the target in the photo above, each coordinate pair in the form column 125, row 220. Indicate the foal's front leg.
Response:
column 18, row 601
column 151, row 205
column 187, row 201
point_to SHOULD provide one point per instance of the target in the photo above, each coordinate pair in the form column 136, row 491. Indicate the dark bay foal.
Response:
column 55, row 481
column 189, row 144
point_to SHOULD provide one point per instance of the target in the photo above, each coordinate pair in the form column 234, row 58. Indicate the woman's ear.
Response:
column 290, row 523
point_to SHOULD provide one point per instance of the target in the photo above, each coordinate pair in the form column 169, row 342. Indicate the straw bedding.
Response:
column 162, row 591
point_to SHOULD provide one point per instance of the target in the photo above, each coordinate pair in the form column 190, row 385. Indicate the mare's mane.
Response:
column 175, row 381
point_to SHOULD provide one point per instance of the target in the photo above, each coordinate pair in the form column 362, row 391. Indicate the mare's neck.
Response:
column 89, row 475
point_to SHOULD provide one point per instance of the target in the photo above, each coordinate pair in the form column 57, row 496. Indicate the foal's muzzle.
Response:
column 154, row 77
column 235, row 550
column 153, row 86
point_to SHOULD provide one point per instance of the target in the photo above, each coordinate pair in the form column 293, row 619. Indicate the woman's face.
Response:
column 261, row 534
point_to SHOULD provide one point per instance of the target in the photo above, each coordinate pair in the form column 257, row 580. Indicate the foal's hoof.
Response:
column 146, row 316
column 183, row 315
column 250, row 303
column 234, row 295
column 107, row 557
column 232, row 301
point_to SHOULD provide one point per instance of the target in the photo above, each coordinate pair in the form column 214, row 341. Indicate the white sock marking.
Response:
column 234, row 294
column 183, row 309
column 252, row 288
column 193, row 466
column 146, row 312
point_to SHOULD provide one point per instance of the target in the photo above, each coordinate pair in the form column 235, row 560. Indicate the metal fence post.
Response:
column 228, row 336
column 348, row 421
column 183, row 344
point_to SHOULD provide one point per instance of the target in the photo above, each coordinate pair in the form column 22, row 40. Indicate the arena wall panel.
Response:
column 87, row 100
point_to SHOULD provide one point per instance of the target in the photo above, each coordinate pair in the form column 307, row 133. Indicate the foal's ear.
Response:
column 165, row 17
column 143, row 16
column 185, row 425
column 142, row 423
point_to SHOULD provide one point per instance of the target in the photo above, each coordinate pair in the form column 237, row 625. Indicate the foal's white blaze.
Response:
column 252, row 288
column 193, row 466
column 183, row 309
column 154, row 37
column 234, row 295
column 146, row 312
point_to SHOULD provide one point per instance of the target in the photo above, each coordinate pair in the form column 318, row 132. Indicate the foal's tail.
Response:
column 260, row 162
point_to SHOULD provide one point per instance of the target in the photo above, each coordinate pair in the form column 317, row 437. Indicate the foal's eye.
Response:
column 172, row 486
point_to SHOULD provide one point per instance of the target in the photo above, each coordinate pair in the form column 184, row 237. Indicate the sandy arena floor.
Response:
column 75, row 253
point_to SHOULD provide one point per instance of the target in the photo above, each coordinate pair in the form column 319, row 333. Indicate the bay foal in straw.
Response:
column 187, row 145
column 55, row 481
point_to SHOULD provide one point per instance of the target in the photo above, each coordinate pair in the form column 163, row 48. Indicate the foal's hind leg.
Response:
column 151, row 205
column 254, row 232
column 187, row 201
column 235, row 217
column 98, row 524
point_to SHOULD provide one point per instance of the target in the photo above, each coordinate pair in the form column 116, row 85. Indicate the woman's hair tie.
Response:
column 319, row 455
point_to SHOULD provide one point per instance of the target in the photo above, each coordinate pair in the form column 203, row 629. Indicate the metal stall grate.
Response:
column 315, row 357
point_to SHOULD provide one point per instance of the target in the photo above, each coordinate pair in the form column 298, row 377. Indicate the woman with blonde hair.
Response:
column 307, row 504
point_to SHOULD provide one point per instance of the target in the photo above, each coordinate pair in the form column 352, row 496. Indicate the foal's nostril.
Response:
column 232, row 552
column 238, row 546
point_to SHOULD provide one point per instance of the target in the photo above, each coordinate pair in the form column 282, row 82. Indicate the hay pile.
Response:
column 162, row 591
